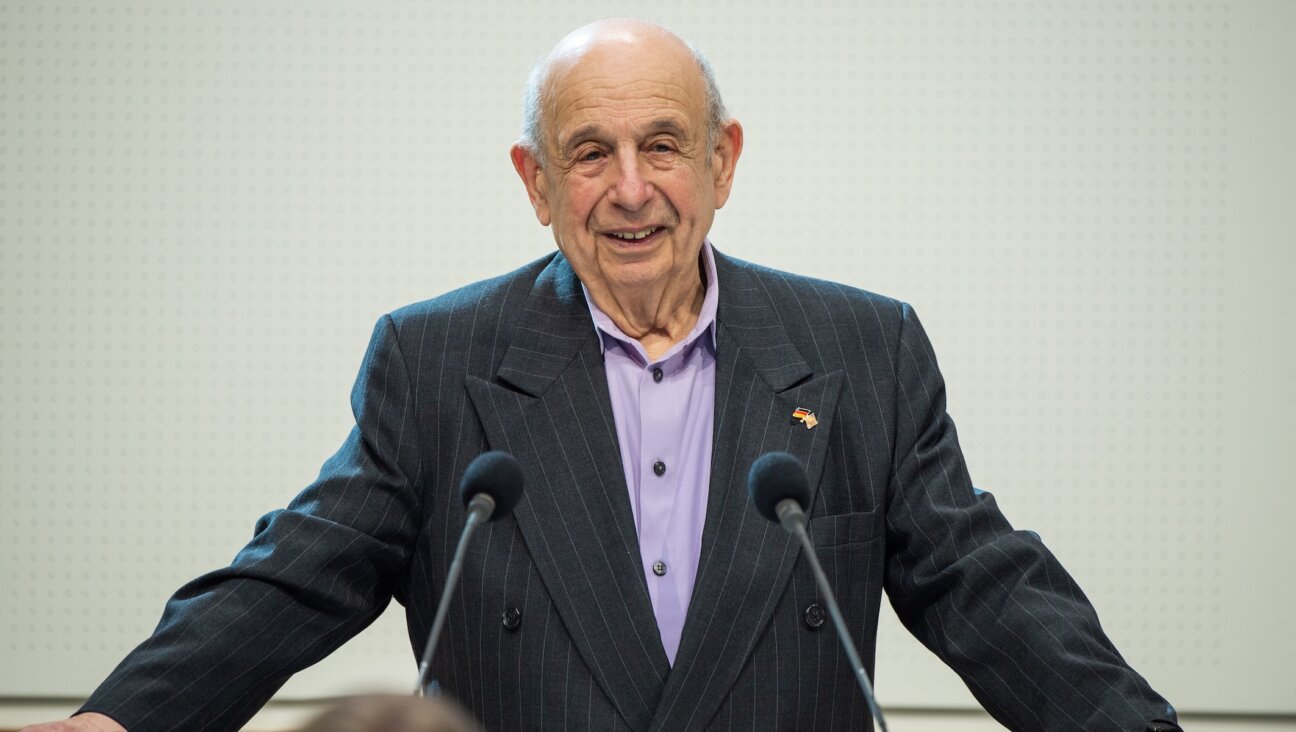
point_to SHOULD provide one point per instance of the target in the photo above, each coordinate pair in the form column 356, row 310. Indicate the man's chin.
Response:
column 643, row 278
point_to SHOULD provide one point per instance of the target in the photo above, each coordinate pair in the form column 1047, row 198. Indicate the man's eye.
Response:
column 662, row 147
column 590, row 156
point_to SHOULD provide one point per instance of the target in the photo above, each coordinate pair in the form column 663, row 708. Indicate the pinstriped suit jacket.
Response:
column 514, row 364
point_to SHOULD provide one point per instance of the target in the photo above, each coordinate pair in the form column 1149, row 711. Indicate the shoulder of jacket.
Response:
column 772, row 280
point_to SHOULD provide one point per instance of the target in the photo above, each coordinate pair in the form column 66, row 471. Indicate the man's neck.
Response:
column 657, row 320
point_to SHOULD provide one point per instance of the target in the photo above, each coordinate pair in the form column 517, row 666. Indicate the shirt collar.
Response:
column 604, row 326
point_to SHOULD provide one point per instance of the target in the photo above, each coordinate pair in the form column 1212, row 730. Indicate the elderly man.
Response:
column 636, row 374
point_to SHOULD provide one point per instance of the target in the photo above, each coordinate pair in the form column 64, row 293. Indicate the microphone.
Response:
column 491, row 486
column 780, row 490
column 489, row 489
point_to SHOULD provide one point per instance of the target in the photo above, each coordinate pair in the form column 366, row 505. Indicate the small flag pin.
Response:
column 805, row 417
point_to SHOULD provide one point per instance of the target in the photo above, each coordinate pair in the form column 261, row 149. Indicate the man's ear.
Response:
column 724, row 158
column 533, row 178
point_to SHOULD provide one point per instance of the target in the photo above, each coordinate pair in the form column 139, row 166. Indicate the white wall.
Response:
column 203, row 209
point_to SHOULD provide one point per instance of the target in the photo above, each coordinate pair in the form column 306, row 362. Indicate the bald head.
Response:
column 614, row 38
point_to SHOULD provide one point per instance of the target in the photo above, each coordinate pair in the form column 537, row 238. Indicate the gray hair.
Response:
column 533, row 127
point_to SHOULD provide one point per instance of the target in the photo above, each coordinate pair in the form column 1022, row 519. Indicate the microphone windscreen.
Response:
column 776, row 476
column 498, row 475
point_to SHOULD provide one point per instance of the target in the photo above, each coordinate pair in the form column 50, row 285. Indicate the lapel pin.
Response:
column 805, row 417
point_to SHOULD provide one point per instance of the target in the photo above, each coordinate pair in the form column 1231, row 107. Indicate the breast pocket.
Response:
column 845, row 528
column 850, row 548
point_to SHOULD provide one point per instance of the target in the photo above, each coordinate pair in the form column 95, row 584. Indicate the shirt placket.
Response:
column 659, row 453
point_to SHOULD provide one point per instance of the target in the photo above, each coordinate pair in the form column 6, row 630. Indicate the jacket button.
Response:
column 659, row 468
column 657, row 374
column 512, row 618
column 814, row 616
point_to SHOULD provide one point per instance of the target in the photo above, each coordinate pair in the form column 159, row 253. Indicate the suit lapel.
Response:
column 550, row 408
column 761, row 378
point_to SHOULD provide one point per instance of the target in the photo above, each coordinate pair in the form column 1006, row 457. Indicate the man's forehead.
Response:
column 577, row 116
column 624, row 90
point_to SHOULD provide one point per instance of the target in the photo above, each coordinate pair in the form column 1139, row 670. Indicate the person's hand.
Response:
column 88, row 722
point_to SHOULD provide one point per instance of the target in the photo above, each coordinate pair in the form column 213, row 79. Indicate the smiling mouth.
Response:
column 636, row 236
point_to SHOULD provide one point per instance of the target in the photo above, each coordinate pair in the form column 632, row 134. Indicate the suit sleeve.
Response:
column 993, row 603
column 313, row 576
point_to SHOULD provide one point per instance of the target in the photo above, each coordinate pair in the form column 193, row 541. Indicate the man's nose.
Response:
column 630, row 190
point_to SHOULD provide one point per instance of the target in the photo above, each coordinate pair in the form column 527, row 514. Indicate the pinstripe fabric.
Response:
column 513, row 364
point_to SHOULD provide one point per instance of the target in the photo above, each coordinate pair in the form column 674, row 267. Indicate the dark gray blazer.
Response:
column 553, row 628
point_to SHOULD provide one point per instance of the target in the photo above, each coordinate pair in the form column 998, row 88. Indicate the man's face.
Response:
column 629, row 184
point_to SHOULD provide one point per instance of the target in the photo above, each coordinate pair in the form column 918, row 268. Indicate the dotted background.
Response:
column 204, row 208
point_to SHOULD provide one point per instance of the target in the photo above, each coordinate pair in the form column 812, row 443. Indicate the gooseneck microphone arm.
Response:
column 780, row 489
column 491, row 487
column 485, row 506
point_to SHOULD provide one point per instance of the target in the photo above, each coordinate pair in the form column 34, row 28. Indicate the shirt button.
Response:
column 659, row 568
column 659, row 468
column 657, row 374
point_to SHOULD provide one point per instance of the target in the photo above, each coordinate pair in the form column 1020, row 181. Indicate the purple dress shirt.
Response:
column 664, row 410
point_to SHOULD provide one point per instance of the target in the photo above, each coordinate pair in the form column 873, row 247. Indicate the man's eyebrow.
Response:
column 669, row 126
column 579, row 135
